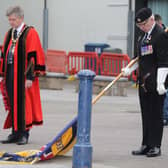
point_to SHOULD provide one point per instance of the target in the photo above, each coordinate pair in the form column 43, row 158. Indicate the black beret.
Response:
column 143, row 14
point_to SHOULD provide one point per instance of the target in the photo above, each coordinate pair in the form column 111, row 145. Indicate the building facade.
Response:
column 73, row 23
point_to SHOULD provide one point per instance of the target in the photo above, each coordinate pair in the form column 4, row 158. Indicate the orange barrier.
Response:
column 134, row 75
column 82, row 60
column 0, row 63
column 112, row 63
column 56, row 61
column 0, row 48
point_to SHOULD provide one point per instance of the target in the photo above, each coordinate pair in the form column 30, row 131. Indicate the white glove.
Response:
column 161, row 78
column 161, row 89
column 127, row 71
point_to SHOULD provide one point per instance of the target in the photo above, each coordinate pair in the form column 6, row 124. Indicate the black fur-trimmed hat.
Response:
column 143, row 14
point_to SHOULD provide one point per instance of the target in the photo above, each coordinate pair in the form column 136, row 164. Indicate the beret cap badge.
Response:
column 138, row 19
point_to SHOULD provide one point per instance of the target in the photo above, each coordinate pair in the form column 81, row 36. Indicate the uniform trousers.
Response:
column 151, row 104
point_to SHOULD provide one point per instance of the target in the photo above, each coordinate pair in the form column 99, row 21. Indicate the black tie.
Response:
column 146, row 35
column 144, row 39
column 15, row 34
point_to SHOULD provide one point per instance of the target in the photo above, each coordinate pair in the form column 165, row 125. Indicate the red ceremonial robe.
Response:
column 27, row 110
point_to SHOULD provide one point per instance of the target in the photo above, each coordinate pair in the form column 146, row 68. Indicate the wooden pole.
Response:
column 113, row 82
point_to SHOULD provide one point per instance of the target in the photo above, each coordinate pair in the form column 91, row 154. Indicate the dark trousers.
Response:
column 165, row 108
column 10, row 91
column 9, row 87
column 152, row 117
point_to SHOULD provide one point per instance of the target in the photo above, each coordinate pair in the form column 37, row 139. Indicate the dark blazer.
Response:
column 153, row 54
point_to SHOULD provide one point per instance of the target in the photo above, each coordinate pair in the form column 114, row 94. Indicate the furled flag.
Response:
column 60, row 145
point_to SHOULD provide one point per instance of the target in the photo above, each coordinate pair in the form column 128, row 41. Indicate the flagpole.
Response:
column 113, row 82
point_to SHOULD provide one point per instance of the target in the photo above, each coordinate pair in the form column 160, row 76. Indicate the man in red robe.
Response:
column 22, row 61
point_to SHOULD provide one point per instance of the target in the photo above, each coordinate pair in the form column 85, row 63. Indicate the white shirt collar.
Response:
column 149, row 32
column 20, row 28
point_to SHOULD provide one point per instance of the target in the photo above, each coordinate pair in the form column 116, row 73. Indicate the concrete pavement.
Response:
column 116, row 130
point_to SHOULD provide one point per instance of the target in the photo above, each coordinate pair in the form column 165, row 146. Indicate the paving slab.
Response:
column 116, row 130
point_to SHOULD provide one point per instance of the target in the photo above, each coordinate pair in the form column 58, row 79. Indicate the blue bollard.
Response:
column 82, row 151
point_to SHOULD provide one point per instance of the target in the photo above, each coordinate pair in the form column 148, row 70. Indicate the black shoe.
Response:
column 23, row 140
column 12, row 138
column 142, row 151
column 153, row 152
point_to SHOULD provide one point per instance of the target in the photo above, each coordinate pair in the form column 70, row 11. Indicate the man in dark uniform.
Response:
column 158, row 20
column 153, row 69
